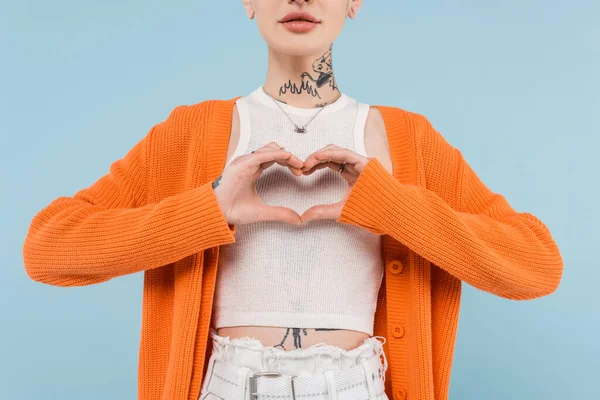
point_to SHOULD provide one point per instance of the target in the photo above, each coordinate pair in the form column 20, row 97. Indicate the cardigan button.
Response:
column 400, row 394
column 398, row 331
column 395, row 267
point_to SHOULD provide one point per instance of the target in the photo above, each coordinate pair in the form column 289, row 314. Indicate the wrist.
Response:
column 220, row 202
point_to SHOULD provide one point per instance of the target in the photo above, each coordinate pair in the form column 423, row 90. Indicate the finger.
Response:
column 328, row 147
column 293, row 160
column 337, row 155
column 335, row 167
column 316, row 168
column 264, row 166
column 278, row 213
column 271, row 146
column 260, row 157
column 322, row 211
column 293, row 163
column 284, row 163
column 312, row 157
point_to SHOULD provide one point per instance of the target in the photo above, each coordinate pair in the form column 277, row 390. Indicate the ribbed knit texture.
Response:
column 321, row 274
column 155, row 211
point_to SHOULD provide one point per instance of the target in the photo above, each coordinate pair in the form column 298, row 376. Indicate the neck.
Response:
column 305, row 81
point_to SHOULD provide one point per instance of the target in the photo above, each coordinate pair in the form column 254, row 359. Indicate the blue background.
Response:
column 514, row 85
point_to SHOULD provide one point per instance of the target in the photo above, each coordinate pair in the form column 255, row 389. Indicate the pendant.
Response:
column 300, row 130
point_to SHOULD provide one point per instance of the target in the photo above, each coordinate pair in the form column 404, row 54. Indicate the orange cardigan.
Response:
column 155, row 211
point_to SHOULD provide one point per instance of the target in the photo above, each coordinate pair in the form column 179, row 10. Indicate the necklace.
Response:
column 300, row 129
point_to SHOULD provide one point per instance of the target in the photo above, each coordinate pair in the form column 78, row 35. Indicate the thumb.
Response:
column 321, row 211
column 278, row 213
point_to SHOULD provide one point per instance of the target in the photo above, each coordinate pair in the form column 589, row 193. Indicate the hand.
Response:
column 332, row 156
column 235, row 188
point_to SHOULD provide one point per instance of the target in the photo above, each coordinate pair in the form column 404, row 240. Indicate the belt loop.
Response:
column 208, row 374
column 370, row 378
column 243, row 383
column 331, row 385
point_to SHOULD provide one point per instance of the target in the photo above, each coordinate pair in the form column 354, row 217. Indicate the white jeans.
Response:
column 319, row 372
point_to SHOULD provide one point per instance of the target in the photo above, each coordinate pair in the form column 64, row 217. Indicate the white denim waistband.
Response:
column 251, row 353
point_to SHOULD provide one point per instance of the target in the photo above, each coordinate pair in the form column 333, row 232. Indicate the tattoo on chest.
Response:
column 321, row 76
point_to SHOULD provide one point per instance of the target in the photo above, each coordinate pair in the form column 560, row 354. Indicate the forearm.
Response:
column 72, row 242
column 512, row 256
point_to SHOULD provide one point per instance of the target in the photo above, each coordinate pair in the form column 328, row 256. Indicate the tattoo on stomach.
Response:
column 297, row 334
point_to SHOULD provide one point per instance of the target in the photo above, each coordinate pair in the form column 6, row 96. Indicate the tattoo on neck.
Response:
column 294, row 89
column 323, row 71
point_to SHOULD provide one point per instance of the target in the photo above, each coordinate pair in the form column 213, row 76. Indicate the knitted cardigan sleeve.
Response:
column 109, row 229
column 482, row 240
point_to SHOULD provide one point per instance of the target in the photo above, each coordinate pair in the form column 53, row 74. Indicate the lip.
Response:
column 299, row 26
column 299, row 14
column 293, row 25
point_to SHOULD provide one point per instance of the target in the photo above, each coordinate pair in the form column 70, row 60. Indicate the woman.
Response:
column 341, row 233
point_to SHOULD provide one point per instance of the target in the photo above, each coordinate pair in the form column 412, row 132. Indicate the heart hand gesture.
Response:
column 236, row 193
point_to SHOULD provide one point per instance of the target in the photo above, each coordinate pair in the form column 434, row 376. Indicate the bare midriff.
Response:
column 296, row 338
column 376, row 145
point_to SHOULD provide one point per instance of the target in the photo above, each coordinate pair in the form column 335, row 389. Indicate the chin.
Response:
column 298, row 46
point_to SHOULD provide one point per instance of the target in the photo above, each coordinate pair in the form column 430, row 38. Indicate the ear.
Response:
column 353, row 6
column 249, row 8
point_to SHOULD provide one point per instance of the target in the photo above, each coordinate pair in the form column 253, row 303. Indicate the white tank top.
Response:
column 322, row 274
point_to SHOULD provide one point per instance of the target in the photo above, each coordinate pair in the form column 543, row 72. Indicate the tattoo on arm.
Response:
column 215, row 183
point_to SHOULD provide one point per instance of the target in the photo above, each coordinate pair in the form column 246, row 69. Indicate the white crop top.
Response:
column 322, row 274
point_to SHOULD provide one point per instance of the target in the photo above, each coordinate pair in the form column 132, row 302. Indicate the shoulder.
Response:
column 198, row 111
column 192, row 113
column 418, row 127
column 380, row 114
column 385, row 122
column 185, row 120
column 432, row 153
column 183, row 123
column 410, row 129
